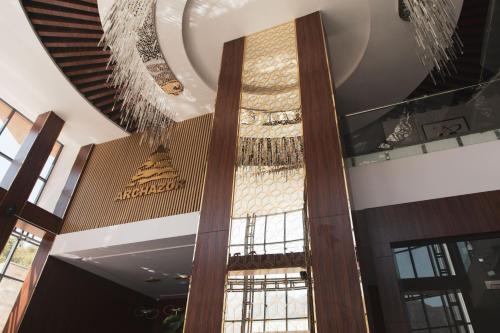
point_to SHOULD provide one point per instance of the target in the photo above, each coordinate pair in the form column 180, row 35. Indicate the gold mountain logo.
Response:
column 156, row 175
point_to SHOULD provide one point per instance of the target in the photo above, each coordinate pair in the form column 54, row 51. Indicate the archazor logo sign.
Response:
column 156, row 175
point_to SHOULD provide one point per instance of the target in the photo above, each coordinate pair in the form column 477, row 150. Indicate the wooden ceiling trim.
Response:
column 71, row 30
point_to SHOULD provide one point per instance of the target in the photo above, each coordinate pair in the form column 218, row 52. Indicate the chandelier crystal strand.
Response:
column 145, row 104
column 438, row 42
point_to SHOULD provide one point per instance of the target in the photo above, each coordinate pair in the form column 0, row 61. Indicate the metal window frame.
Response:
column 420, row 294
column 20, row 236
column 288, row 286
column 264, row 244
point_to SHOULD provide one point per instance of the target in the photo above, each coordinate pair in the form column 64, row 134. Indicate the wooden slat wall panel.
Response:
column 113, row 163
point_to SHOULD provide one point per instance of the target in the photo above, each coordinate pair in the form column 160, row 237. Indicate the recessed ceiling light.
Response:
column 182, row 276
column 70, row 256
column 152, row 279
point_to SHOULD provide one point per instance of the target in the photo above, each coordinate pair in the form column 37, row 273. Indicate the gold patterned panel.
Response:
column 270, row 174
column 268, row 188
column 268, row 193
column 270, row 75
column 113, row 165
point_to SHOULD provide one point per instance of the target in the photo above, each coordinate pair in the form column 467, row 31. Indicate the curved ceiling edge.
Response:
column 70, row 33
column 199, row 97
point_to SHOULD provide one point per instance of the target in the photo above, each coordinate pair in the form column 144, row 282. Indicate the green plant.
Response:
column 173, row 323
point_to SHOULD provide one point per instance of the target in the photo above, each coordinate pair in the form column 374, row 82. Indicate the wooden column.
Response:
column 73, row 179
column 337, row 292
column 19, row 309
column 206, row 295
column 25, row 169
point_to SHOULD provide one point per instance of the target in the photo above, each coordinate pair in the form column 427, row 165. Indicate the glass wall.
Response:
column 268, row 234
column 451, row 286
column 267, row 303
column 15, row 261
column 447, row 120
column 403, row 113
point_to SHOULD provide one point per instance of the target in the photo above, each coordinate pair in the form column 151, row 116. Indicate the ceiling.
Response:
column 372, row 54
column 146, row 256
column 372, row 51
column 356, row 33
column 33, row 84
column 151, row 268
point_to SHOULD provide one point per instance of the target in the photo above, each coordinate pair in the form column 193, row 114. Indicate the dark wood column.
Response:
column 73, row 179
column 337, row 292
column 38, row 218
column 206, row 294
column 19, row 309
column 24, row 170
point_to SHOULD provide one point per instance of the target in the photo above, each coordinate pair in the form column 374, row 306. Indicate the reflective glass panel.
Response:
column 451, row 286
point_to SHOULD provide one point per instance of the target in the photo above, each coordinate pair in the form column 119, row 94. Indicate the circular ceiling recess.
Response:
column 207, row 24
column 372, row 51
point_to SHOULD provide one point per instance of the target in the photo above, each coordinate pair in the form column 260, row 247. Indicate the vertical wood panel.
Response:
column 206, row 295
column 111, row 166
column 73, row 179
column 30, row 282
column 337, row 293
column 322, row 150
column 217, row 199
column 71, row 300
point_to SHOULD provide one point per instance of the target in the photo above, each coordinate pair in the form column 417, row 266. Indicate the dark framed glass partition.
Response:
column 450, row 285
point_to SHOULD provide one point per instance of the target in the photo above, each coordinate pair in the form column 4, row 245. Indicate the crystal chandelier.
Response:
column 438, row 43
column 145, row 104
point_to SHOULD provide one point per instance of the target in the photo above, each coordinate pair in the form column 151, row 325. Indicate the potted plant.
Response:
column 174, row 322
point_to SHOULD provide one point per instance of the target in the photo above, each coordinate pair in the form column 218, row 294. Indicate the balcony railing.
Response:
column 446, row 120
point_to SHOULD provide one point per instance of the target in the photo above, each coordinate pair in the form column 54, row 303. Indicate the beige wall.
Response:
column 111, row 166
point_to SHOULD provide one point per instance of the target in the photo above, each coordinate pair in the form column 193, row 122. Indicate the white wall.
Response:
column 58, row 177
column 33, row 84
column 463, row 170
column 142, row 231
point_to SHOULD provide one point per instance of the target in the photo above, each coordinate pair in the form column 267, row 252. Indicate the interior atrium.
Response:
column 249, row 166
